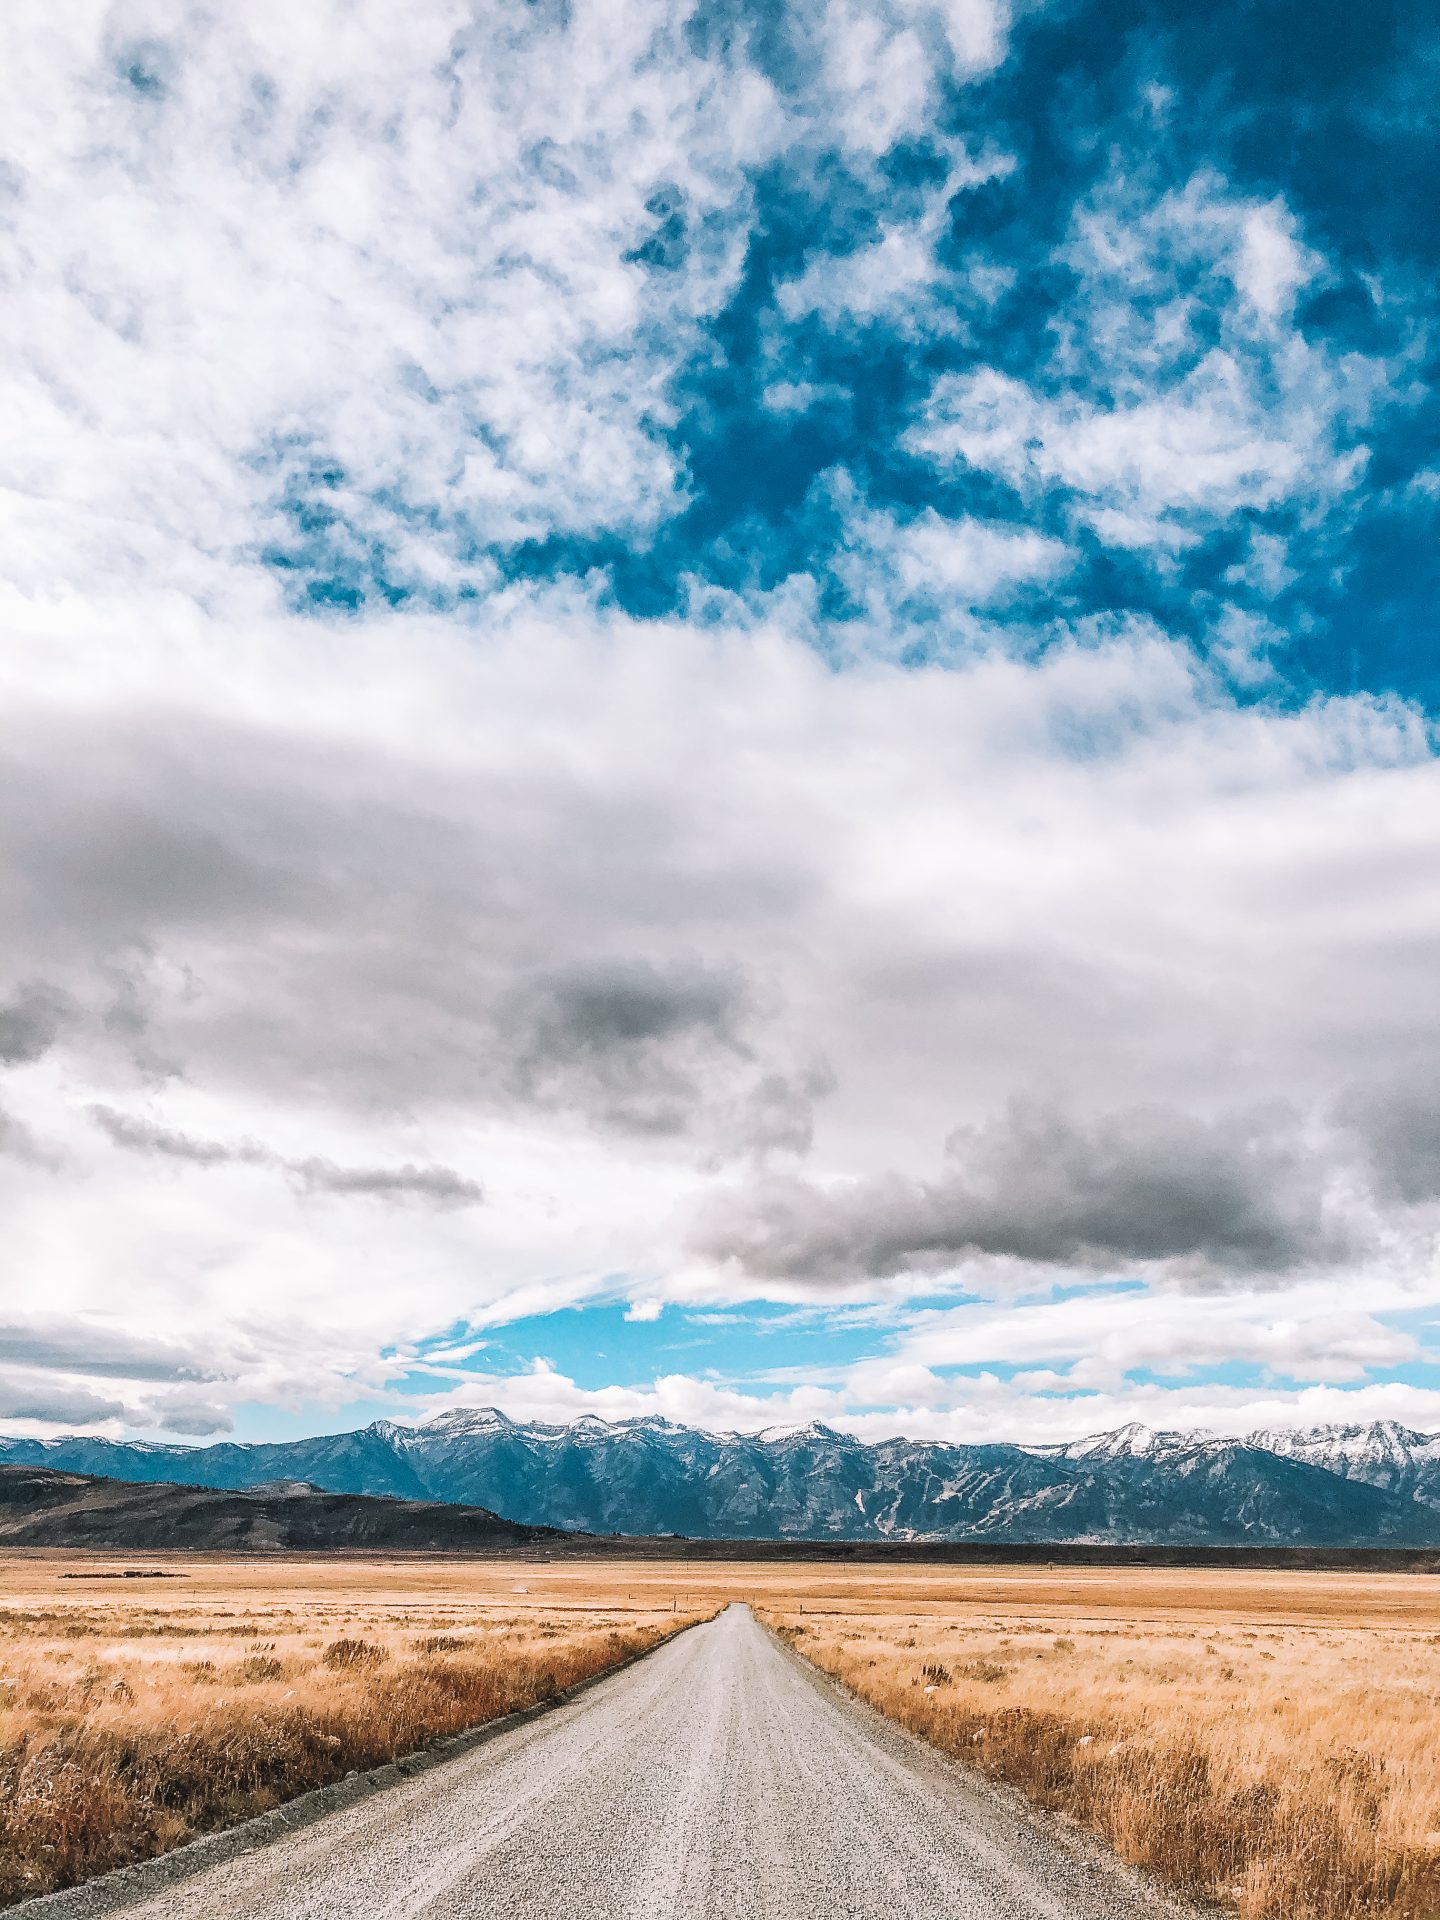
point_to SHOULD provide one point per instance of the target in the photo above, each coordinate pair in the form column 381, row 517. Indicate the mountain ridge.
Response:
column 49, row 1507
column 1324, row 1486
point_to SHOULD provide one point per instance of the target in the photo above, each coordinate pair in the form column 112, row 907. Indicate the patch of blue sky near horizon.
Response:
column 1051, row 1360
column 610, row 1344
column 1058, row 1362
column 597, row 1349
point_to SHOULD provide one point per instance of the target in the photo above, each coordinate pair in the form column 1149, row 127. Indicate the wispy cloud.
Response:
column 436, row 1186
column 1179, row 395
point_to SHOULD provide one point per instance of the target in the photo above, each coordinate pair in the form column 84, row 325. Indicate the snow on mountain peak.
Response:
column 797, row 1430
column 456, row 1420
column 1133, row 1439
column 391, row 1430
column 1383, row 1452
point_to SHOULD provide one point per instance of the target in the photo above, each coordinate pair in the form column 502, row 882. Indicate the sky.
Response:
column 721, row 710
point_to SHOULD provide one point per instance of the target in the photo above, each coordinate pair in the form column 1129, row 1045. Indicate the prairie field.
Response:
column 1266, row 1739
column 1270, row 1742
column 138, row 1712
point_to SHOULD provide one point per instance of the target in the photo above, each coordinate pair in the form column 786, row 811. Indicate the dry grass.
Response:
column 1268, row 1737
column 131, row 1719
column 1287, row 1770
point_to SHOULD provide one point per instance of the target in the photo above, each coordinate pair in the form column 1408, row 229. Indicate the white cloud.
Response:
column 876, row 71
column 799, row 396
column 296, row 279
column 880, row 66
column 1179, row 393
column 1318, row 1333
column 1273, row 263
column 912, row 1400
column 1198, row 449
column 320, row 238
column 965, row 562
column 578, row 910
column 544, row 1393
column 928, row 580
column 878, row 281
column 898, row 276
column 976, row 31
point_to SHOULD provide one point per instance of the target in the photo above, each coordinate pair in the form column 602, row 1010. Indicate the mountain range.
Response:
column 1377, row 1484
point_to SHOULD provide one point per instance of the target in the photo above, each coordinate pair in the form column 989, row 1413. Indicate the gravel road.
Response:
column 718, row 1779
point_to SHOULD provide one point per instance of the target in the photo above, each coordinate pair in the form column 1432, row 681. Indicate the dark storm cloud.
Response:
column 433, row 1186
column 1074, row 360
column 624, row 1041
column 1135, row 1187
column 779, row 1113
column 77, row 1346
column 648, row 1049
column 56, row 1403
column 133, row 861
column 30, row 1022
column 197, row 1418
column 614, row 1009
column 391, row 947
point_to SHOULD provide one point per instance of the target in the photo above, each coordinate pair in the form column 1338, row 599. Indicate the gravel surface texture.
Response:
column 720, row 1778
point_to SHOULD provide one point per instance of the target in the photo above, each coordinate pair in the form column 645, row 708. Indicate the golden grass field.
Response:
column 1270, row 1740
column 136, row 1713
column 1267, row 1738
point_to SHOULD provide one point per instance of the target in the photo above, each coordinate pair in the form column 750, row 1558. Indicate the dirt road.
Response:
column 718, row 1779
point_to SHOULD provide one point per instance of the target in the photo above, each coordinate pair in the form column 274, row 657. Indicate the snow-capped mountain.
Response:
column 1325, row 1487
column 1132, row 1442
column 1382, row 1454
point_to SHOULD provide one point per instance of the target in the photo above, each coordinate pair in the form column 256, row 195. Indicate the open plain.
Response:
column 136, row 1712
column 720, row 1779
column 1266, row 1740
column 1260, row 1737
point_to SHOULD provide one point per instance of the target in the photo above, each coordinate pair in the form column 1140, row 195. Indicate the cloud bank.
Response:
column 714, row 665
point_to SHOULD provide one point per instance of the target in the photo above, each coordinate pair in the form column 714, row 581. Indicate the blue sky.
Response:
column 720, row 709
column 1304, row 135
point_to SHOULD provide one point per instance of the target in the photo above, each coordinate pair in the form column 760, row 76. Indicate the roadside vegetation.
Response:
column 128, row 1726
column 1263, row 1738
column 1290, row 1772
